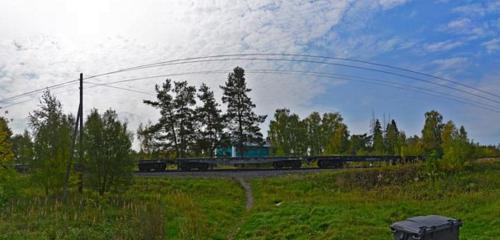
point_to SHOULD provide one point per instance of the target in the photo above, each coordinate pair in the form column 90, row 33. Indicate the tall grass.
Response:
column 152, row 209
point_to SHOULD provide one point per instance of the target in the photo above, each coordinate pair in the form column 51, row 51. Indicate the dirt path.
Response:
column 248, row 192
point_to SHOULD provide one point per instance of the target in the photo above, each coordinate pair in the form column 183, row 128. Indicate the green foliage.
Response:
column 391, row 139
column 6, row 153
column 339, row 140
column 210, row 132
column 314, row 132
column 107, row 146
column 175, row 130
column 359, row 144
column 431, row 134
column 9, row 186
column 23, row 148
column 52, row 143
column 242, row 122
column 378, row 138
column 287, row 133
column 455, row 145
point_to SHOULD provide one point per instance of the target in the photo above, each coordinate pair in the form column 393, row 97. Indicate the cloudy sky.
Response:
column 48, row 42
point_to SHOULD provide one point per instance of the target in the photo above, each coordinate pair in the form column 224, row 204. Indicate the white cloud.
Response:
column 443, row 46
column 466, row 27
column 54, row 41
column 492, row 45
column 388, row 4
column 452, row 63
column 478, row 9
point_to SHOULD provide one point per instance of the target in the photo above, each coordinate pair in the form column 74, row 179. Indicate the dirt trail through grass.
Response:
column 248, row 192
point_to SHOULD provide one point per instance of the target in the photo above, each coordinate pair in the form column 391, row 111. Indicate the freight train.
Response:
column 291, row 162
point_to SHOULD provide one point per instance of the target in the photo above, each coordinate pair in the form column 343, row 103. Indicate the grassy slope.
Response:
column 153, row 207
column 322, row 207
column 340, row 205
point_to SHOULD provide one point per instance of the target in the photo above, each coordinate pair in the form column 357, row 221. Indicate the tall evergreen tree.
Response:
column 175, row 130
column 184, row 103
column 431, row 134
column 107, row 146
column 52, row 139
column 391, row 138
column 378, row 138
column 209, row 116
column 164, row 132
column 243, row 123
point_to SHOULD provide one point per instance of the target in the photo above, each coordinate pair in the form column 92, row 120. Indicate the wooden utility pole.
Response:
column 80, row 183
column 78, row 125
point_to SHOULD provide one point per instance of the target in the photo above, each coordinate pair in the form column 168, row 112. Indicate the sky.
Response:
column 48, row 42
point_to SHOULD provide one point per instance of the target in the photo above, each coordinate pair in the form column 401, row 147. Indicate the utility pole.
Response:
column 78, row 124
column 80, row 185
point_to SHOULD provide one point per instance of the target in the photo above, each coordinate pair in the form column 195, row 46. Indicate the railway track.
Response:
column 245, row 173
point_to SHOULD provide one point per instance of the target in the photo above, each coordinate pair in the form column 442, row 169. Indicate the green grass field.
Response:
column 348, row 204
column 330, row 206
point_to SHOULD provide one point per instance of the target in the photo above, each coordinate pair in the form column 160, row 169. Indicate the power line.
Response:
column 175, row 62
column 115, row 87
column 35, row 91
column 210, row 59
column 331, row 76
column 303, row 55
column 207, row 59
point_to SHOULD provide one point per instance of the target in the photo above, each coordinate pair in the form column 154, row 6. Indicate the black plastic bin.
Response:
column 430, row 227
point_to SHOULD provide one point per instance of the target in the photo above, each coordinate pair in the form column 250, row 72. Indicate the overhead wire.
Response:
column 301, row 55
column 316, row 62
column 326, row 75
column 210, row 59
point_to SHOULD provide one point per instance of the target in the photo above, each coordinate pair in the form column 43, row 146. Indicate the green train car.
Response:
column 252, row 151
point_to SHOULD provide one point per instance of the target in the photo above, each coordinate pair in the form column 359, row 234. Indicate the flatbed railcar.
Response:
column 293, row 162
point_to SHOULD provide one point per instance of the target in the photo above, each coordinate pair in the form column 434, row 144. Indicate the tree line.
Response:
column 327, row 134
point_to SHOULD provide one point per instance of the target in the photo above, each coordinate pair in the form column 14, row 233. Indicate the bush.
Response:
column 9, row 186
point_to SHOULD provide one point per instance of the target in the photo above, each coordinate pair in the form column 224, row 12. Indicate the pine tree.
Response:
column 242, row 122
column 431, row 134
column 184, row 103
column 391, row 138
column 175, row 130
column 164, row 132
column 378, row 138
column 211, row 124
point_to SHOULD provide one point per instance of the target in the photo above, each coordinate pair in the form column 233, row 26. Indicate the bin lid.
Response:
column 419, row 225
